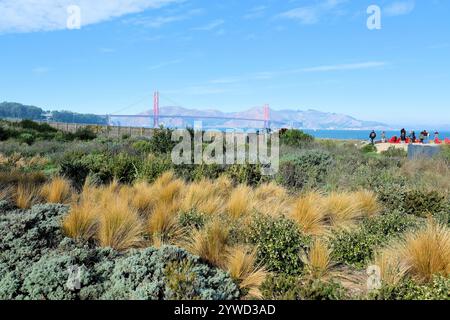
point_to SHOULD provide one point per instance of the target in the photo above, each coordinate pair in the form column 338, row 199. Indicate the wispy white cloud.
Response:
column 399, row 8
column 345, row 67
column 158, row 22
column 312, row 14
column 47, row 15
column 255, row 12
column 164, row 64
column 210, row 26
column 268, row 75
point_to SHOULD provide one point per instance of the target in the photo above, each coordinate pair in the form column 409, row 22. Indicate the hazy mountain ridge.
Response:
column 304, row 119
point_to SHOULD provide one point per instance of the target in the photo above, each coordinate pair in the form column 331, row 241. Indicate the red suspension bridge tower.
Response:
column 156, row 110
column 266, row 116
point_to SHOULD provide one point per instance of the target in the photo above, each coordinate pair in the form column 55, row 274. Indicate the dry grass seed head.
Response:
column 241, row 264
column 309, row 214
column 58, row 190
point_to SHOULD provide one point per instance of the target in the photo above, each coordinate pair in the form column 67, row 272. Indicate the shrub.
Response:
column 39, row 127
column 153, row 167
column 35, row 262
column 4, row 134
column 393, row 152
column 191, row 219
column 27, row 138
column 168, row 273
column 85, row 134
column 288, row 287
column 356, row 247
column 249, row 174
column 279, row 244
column 161, row 141
column 142, row 146
column 306, row 168
column 369, row 148
column 438, row 289
column 74, row 168
column 422, row 203
column 295, row 137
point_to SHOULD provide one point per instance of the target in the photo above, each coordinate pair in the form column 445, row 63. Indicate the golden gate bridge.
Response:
column 154, row 119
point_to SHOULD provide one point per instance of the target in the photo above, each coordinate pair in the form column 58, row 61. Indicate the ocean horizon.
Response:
column 364, row 134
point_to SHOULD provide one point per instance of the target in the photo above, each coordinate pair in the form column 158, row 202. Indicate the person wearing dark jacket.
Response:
column 403, row 135
column 372, row 136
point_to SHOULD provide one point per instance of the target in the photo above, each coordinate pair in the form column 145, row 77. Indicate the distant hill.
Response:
column 302, row 119
column 308, row 119
column 14, row 110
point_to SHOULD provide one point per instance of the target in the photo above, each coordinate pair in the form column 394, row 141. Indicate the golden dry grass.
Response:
column 241, row 264
column 420, row 254
column 240, row 202
column 82, row 221
column 341, row 209
column 205, row 197
column 119, row 225
column 143, row 197
column 309, row 214
column 317, row 261
column 163, row 226
column 367, row 203
column 58, row 190
column 210, row 243
column 26, row 195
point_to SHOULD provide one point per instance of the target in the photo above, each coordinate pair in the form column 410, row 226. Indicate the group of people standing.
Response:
column 424, row 136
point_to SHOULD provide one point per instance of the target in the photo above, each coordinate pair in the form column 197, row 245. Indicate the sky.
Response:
column 230, row 55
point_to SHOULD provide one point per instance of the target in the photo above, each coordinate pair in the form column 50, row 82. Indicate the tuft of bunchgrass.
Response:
column 210, row 243
column 421, row 254
column 58, row 190
column 240, row 202
column 26, row 195
column 242, row 267
column 119, row 225
column 318, row 261
column 309, row 214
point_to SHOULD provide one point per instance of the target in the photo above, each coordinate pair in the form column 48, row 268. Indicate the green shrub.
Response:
column 124, row 167
column 322, row 290
column 85, row 134
column 161, row 141
column 288, row 287
column 249, row 174
column 281, row 287
column 192, row 219
column 438, row 289
column 295, row 137
column 391, row 194
column 369, row 148
column 27, row 138
column 74, row 168
column 279, row 244
column 39, row 127
column 4, row 134
column 422, row 203
column 393, row 152
column 153, row 167
column 356, row 247
column 142, row 146
column 306, row 168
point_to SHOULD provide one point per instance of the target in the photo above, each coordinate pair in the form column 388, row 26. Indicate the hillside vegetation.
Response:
column 140, row 227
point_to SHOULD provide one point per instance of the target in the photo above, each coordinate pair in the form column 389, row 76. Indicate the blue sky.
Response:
column 231, row 55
